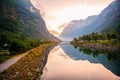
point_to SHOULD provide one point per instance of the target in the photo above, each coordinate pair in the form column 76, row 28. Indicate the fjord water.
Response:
column 68, row 63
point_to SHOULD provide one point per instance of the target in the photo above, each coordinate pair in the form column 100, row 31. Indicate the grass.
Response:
column 106, row 45
column 28, row 67
column 100, row 42
column 4, row 55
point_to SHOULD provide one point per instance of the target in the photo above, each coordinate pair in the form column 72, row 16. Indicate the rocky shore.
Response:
column 100, row 47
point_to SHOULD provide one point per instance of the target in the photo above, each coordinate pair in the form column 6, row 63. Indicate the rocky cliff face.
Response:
column 32, row 21
column 21, row 17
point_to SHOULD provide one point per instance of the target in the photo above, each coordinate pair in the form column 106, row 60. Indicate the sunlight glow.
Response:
column 71, row 13
column 63, row 11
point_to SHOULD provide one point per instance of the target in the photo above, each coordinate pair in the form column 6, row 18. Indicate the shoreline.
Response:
column 30, row 66
column 108, row 48
column 44, row 59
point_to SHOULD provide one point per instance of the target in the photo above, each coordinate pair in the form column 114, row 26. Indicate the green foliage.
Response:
column 108, row 39
column 13, row 36
column 20, row 28
column 98, row 36
column 17, row 43
column 75, row 39
column 113, row 27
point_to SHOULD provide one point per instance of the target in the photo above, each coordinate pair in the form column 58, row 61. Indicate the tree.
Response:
column 108, row 36
column 3, row 39
column 75, row 39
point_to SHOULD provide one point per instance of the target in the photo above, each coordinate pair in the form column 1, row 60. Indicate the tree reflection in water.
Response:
column 110, row 55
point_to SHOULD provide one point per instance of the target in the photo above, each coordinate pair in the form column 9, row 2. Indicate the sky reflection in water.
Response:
column 60, row 66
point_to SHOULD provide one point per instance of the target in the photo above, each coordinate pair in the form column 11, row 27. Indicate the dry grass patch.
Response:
column 28, row 67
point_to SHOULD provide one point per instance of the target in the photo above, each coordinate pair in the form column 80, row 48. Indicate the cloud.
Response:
column 50, row 6
column 53, row 32
column 99, row 2
column 62, row 26
column 64, row 3
column 37, row 4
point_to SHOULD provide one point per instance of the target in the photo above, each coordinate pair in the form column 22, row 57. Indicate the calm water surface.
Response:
column 68, row 63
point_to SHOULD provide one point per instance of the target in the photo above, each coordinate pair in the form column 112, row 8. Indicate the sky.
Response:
column 60, row 12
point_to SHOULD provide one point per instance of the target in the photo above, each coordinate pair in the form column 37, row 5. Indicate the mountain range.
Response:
column 108, row 20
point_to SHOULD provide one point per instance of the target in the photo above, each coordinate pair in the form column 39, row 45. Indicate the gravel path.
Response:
column 5, row 65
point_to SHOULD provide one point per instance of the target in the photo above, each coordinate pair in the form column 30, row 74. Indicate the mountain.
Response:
column 29, row 18
column 107, row 20
column 75, row 28
column 21, row 25
column 114, row 26
column 32, row 20
column 107, row 17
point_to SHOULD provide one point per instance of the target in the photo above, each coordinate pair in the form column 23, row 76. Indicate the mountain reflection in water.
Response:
column 67, row 63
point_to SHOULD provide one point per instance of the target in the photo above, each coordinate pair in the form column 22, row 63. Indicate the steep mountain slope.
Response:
column 21, row 25
column 75, row 28
column 114, row 26
column 107, row 17
column 32, row 21
column 107, row 20
column 27, row 16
